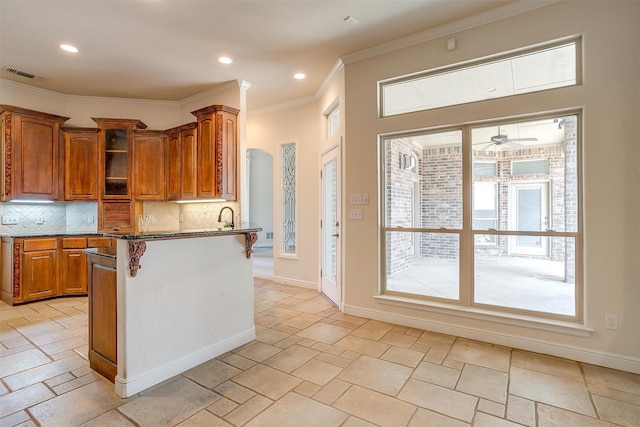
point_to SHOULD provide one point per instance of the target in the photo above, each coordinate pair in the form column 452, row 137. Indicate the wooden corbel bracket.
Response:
column 136, row 250
column 250, row 239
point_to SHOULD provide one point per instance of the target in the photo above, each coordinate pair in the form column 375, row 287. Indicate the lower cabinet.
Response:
column 35, row 268
column 38, row 275
column 102, row 276
column 73, row 266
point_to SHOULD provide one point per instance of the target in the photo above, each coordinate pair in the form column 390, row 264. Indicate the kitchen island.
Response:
column 182, row 298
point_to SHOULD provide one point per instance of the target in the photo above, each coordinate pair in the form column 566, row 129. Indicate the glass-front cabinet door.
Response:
column 116, row 156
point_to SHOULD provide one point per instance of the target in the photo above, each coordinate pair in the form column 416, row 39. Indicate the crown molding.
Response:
column 504, row 12
column 330, row 77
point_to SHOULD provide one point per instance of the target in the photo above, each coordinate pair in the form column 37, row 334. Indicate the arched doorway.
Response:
column 260, row 189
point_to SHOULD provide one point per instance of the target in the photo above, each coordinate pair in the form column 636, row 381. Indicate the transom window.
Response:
column 500, row 230
column 533, row 70
column 333, row 122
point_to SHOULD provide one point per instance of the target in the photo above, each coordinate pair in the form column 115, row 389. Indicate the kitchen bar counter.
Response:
column 181, row 234
column 182, row 298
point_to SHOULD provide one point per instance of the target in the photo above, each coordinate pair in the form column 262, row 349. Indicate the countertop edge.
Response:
column 160, row 235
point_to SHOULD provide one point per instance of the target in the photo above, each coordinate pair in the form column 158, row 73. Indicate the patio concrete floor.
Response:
column 514, row 282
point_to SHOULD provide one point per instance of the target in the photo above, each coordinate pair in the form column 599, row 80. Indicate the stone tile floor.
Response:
column 310, row 366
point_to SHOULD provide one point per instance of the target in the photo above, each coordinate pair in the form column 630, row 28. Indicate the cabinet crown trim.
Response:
column 119, row 122
column 27, row 112
column 215, row 108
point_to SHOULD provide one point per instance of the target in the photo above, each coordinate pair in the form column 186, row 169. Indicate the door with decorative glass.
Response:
column 330, row 226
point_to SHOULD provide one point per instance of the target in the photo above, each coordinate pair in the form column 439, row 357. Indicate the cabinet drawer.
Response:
column 99, row 242
column 74, row 243
column 40, row 244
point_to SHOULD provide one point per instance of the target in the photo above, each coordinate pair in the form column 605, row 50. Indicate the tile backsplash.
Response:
column 168, row 216
column 50, row 218
column 81, row 217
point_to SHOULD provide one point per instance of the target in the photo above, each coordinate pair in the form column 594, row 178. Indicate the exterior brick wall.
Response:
column 439, row 173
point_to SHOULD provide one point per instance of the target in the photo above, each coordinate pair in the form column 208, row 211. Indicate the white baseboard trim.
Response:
column 295, row 282
column 126, row 387
column 580, row 354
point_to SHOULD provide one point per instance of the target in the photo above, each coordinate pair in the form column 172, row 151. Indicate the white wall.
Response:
column 155, row 114
column 266, row 132
column 610, row 97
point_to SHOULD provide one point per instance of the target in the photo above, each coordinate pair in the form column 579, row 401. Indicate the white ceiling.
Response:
column 168, row 49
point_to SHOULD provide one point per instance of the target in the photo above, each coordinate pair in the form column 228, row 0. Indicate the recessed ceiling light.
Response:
column 225, row 60
column 299, row 76
column 69, row 48
column 490, row 89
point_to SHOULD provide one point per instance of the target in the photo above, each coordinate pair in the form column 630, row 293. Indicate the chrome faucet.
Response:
column 220, row 215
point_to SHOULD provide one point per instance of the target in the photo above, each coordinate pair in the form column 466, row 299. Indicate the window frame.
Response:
column 281, row 246
column 449, row 68
column 467, row 234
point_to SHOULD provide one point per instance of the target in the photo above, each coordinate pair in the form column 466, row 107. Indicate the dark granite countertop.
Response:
column 72, row 234
column 184, row 234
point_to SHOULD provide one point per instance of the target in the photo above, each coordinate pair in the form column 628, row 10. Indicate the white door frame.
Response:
column 330, row 233
column 541, row 247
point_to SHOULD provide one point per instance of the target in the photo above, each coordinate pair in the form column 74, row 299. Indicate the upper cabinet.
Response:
column 80, row 163
column 181, row 162
column 115, row 152
column 31, row 154
column 148, row 165
column 217, row 152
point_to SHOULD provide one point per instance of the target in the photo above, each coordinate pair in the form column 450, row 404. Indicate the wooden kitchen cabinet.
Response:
column 73, row 266
column 116, row 215
column 81, row 163
column 35, row 268
column 148, row 165
column 115, row 156
column 181, row 162
column 217, row 152
column 31, row 154
column 103, row 349
column 38, row 268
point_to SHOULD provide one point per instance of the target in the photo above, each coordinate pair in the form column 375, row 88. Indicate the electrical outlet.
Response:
column 40, row 220
column 91, row 219
column 611, row 321
column 9, row 219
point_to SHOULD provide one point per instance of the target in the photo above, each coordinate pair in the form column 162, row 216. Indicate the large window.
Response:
column 495, row 222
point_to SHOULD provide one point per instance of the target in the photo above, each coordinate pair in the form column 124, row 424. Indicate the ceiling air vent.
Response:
column 23, row 73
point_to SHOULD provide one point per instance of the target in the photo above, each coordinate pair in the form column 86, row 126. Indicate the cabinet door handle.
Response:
column 41, row 257
column 74, row 255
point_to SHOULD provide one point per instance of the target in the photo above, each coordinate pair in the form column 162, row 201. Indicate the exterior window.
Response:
column 484, row 169
column 289, row 225
column 527, row 167
column 532, row 71
column 520, row 251
column 333, row 122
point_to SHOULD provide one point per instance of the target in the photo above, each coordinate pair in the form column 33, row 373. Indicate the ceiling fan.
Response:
column 501, row 139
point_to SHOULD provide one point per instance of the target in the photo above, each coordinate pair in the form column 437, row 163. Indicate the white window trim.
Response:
column 509, row 317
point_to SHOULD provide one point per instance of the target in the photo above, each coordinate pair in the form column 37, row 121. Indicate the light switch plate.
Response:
column 355, row 214
column 356, row 199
